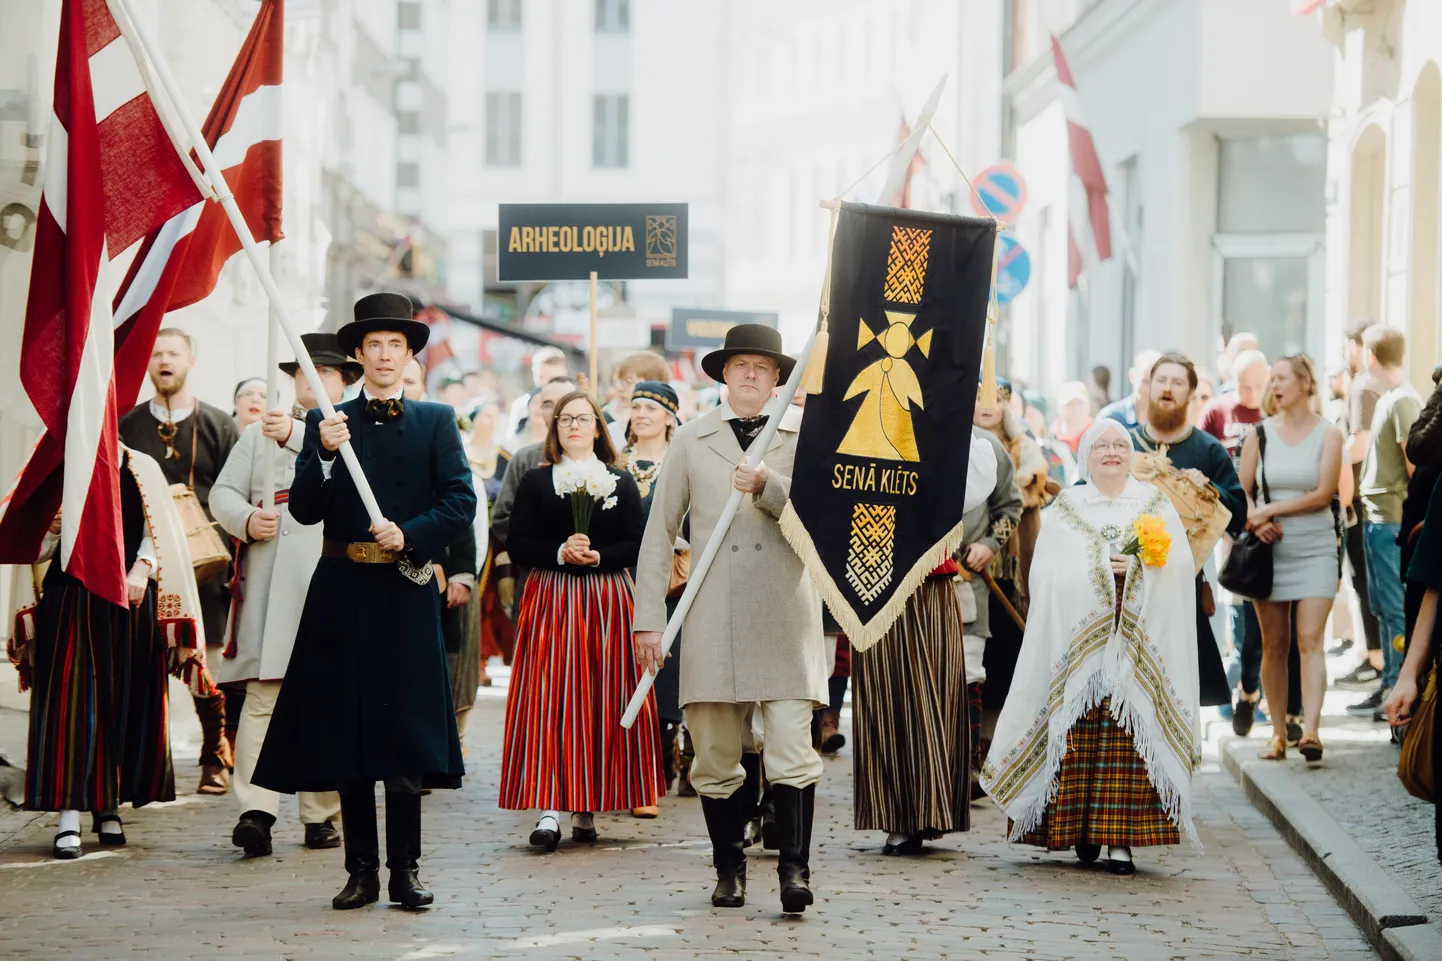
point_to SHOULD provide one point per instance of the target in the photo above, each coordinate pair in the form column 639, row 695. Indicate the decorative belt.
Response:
column 361, row 552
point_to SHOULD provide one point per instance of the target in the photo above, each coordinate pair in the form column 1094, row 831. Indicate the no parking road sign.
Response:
column 1001, row 190
column 1013, row 269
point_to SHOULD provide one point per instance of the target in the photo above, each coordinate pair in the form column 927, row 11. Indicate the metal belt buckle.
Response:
column 364, row 553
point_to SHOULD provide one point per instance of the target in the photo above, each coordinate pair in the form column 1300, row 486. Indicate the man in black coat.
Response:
column 366, row 697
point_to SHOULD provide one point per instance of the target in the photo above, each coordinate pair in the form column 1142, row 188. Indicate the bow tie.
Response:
column 385, row 411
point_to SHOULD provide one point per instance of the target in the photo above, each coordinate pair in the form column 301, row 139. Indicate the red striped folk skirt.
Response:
column 1103, row 795
column 574, row 672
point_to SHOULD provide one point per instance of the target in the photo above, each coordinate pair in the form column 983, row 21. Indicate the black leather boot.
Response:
column 362, row 852
column 725, row 822
column 403, row 851
column 751, row 799
column 252, row 832
column 794, row 810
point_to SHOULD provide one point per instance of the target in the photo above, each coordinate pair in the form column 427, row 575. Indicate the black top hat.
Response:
column 324, row 350
column 383, row 312
column 748, row 339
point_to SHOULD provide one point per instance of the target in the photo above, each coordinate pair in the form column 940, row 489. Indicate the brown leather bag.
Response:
column 1414, row 767
column 680, row 571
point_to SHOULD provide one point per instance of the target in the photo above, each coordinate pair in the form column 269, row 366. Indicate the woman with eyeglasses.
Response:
column 1098, row 738
column 249, row 402
column 574, row 670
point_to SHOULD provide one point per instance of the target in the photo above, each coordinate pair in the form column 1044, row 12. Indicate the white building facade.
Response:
column 1384, row 141
column 1209, row 117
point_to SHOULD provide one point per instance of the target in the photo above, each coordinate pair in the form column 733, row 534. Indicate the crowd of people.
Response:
column 555, row 537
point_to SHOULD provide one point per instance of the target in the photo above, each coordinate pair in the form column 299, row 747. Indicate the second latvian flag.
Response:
column 880, row 471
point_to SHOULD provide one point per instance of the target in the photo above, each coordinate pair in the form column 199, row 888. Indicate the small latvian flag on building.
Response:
column 880, row 469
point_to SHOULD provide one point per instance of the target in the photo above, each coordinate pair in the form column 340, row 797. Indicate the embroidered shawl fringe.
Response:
column 863, row 636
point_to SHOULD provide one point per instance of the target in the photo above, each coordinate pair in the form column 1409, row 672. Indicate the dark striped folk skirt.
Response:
column 910, row 721
column 1103, row 795
column 99, row 711
column 574, row 672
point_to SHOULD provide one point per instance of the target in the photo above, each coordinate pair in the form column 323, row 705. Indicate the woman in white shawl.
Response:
column 1098, row 739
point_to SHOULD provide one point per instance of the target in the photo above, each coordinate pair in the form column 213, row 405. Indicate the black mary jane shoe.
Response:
column 252, row 833
column 1121, row 868
column 66, row 853
column 545, row 839
column 110, row 840
column 319, row 837
column 1088, row 853
column 912, row 845
column 364, row 887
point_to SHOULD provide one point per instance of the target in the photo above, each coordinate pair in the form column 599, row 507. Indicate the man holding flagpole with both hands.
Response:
column 753, row 635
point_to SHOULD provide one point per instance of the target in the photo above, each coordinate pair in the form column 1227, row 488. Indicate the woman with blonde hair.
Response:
column 1290, row 467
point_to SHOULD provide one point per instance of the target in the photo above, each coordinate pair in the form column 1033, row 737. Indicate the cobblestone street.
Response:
column 180, row 891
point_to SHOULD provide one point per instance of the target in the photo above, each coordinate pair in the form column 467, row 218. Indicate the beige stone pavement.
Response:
column 178, row 890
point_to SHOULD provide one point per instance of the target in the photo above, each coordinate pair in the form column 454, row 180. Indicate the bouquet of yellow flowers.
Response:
column 1150, row 541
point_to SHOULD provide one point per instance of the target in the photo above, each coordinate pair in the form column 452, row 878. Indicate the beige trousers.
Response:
column 254, row 721
column 718, row 731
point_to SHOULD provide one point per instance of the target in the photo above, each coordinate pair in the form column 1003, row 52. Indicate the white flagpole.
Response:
column 242, row 230
column 272, row 391
column 777, row 409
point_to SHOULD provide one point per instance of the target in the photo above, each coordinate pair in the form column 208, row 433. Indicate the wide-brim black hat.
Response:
column 324, row 350
column 748, row 339
column 383, row 312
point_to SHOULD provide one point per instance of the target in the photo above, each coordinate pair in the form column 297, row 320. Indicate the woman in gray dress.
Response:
column 1291, row 464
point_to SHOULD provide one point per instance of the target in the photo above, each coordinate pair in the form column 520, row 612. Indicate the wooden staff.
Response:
column 1000, row 595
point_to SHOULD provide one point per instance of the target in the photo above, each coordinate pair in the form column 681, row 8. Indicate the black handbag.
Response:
column 1248, row 572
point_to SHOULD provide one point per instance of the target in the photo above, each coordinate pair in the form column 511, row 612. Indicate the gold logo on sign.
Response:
column 882, row 427
column 870, row 549
column 661, row 241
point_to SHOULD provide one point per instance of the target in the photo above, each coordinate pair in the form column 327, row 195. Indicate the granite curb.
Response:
column 1394, row 923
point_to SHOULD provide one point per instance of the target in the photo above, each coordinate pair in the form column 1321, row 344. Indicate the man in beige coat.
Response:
column 276, row 560
column 753, row 635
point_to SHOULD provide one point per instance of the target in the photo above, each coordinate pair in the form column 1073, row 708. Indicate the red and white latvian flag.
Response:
column 185, row 245
column 1089, row 238
column 112, row 175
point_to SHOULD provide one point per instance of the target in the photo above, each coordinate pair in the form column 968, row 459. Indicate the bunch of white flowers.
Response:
column 584, row 483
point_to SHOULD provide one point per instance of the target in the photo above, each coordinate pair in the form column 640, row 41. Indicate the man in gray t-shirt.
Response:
column 1383, row 488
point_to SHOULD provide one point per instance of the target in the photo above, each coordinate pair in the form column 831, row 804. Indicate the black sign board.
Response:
column 568, row 241
column 693, row 329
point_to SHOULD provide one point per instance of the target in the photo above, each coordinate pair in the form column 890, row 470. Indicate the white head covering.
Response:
column 1099, row 429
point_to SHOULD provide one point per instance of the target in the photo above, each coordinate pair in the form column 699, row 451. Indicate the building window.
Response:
column 503, row 129
column 613, row 16
column 409, row 15
column 503, row 14
column 408, row 174
column 610, row 130
column 1272, row 185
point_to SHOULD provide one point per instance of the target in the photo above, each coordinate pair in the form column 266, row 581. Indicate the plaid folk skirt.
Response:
column 1103, row 795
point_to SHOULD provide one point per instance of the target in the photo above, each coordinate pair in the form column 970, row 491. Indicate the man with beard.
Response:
column 191, row 440
column 1202, row 457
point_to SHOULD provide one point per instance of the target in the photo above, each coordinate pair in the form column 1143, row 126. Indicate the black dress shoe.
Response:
column 545, row 839
column 319, row 837
column 110, row 839
column 1122, row 868
column 584, row 835
column 252, row 832
column 1087, row 853
column 364, row 887
column 65, row 853
column 911, row 845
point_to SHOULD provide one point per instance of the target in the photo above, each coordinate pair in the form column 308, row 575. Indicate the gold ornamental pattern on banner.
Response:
column 877, row 495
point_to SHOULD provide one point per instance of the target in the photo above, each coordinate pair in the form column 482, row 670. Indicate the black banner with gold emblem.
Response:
column 880, row 475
